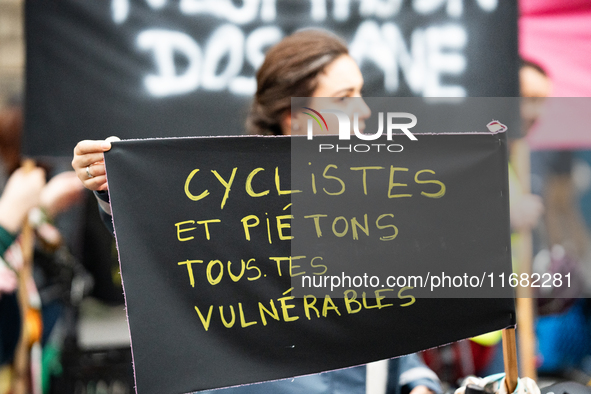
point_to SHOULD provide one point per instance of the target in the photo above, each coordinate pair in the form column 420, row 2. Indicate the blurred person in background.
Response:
column 27, row 196
column 483, row 355
column 552, row 170
column 560, row 242
column 21, row 194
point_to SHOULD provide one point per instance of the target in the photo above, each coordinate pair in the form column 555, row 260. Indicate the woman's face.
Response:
column 339, row 87
column 535, row 87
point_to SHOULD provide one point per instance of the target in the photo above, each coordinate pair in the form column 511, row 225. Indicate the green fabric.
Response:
column 50, row 366
column 6, row 239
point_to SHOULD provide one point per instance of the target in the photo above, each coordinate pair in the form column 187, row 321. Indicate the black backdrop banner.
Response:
column 204, row 227
column 157, row 68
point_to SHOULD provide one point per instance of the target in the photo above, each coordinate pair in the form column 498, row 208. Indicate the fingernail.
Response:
column 106, row 145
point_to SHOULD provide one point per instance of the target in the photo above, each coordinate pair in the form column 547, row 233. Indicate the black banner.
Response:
column 156, row 68
column 204, row 229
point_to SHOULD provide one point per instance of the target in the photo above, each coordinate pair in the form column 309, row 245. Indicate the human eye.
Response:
column 340, row 99
column 346, row 96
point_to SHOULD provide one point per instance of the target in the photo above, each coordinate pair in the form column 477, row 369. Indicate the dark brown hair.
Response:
column 290, row 70
column 534, row 65
column 11, row 125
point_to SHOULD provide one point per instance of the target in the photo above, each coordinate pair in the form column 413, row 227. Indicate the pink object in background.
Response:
column 557, row 35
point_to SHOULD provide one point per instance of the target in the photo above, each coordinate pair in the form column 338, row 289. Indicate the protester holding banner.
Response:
column 26, row 197
column 308, row 63
column 23, row 192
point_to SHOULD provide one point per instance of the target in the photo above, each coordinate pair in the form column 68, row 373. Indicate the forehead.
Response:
column 341, row 74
